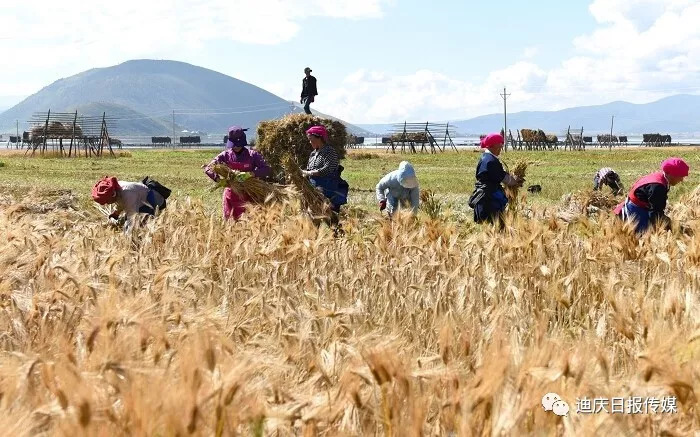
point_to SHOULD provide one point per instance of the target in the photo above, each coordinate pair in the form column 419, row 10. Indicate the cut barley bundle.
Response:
column 512, row 192
column 256, row 189
column 582, row 200
column 312, row 199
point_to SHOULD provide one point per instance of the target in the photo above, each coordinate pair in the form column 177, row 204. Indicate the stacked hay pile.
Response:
column 288, row 135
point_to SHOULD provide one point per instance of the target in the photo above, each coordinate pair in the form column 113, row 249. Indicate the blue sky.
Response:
column 377, row 60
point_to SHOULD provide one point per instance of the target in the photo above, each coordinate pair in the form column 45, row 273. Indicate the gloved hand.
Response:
column 114, row 215
column 306, row 173
column 301, row 100
column 382, row 205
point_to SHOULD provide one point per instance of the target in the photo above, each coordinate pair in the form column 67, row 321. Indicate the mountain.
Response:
column 144, row 93
column 679, row 114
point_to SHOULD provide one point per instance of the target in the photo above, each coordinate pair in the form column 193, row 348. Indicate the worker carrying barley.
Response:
column 489, row 199
column 399, row 186
column 608, row 176
column 646, row 201
column 237, row 157
column 132, row 198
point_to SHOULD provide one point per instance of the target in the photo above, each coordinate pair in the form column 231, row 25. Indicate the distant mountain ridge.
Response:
column 144, row 94
column 671, row 115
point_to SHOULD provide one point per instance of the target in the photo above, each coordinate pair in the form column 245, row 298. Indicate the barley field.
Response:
column 271, row 326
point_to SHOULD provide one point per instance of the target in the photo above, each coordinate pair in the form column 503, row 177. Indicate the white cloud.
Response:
column 640, row 51
column 530, row 52
column 101, row 33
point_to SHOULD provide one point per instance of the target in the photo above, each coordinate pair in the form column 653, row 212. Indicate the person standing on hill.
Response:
column 398, row 186
column 646, row 202
column 489, row 199
column 607, row 176
column 308, row 90
column 237, row 157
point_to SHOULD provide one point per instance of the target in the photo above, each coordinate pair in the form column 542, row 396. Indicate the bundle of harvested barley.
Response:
column 512, row 192
column 582, row 200
column 312, row 199
column 288, row 135
column 430, row 203
column 258, row 190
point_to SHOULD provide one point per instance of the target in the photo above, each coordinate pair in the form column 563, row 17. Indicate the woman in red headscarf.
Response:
column 646, row 201
column 489, row 199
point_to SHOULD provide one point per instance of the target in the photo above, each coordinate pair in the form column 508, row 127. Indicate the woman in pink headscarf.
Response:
column 646, row 201
column 237, row 157
column 324, row 170
column 489, row 199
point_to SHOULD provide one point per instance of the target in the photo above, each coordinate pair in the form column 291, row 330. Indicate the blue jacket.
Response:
column 489, row 175
column 390, row 188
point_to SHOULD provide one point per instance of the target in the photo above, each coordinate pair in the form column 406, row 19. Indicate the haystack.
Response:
column 288, row 135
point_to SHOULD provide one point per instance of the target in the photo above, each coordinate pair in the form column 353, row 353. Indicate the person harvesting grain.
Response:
column 607, row 176
column 489, row 199
column 237, row 157
column 398, row 186
column 646, row 202
column 131, row 198
column 324, row 169
column 308, row 90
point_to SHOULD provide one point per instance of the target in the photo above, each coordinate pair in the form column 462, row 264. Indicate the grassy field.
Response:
column 270, row 326
column 449, row 174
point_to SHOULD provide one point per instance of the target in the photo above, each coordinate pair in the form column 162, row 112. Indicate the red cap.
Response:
column 105, row 190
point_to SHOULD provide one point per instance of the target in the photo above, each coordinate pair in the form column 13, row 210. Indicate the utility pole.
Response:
column 173, row 128
column 17, row 134
column 505, row 118
column 612, row 122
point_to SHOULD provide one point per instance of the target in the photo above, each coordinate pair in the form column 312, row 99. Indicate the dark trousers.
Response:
column 307, row 102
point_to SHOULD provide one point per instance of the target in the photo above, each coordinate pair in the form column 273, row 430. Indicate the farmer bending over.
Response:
column 398, row 186
column 607, row 176
column 646, row 201
column 131, row 198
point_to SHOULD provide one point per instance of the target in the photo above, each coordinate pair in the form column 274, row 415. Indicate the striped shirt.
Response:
column 324, row 160
column 603, row 173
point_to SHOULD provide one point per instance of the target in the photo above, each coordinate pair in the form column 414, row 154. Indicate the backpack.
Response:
column 156, row 186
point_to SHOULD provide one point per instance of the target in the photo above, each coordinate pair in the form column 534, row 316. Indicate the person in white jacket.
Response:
column 399, row 185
